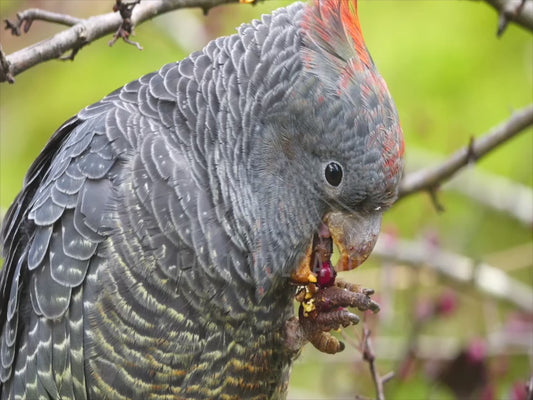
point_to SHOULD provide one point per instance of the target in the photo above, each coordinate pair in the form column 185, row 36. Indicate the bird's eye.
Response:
column 333, row 173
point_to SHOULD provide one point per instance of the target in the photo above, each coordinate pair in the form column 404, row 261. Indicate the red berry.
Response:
column 326, row 275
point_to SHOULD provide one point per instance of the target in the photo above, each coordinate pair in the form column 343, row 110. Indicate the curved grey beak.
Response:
column 355, row 235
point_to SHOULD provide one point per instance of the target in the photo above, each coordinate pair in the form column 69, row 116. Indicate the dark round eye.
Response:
column 333, row 174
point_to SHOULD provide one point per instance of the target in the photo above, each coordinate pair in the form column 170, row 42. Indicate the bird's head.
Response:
column 332, row 151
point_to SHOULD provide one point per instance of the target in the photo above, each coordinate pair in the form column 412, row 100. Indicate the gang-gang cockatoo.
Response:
column 156, row 247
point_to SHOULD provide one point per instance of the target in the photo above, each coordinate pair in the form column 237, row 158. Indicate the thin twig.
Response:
column 433, row 194
column 370, row 357
column 429, row 178
column 387, row 377
column 367, row 350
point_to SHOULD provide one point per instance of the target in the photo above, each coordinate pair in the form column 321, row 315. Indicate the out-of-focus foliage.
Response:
column 451, row 77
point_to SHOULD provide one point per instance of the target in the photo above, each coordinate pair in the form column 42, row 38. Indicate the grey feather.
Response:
column 75, row 245
column 45, row 359
column 63, row 199
column 82, row 228
column 66, row 270
column 47, row 213
column 39, row 246
column 12, row 305
column 74, row 172
column 58, row 168
column 79, row 145
column 93, row 166
column 51, row 298
column 92, row 205
column 7, row 356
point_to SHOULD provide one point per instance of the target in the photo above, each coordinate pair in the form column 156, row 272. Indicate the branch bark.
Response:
column 431, row 178
column 88, row 30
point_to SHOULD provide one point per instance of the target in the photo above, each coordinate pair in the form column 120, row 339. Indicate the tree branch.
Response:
column 370, row 357
column 431, row 178
column 491, row 190
column 518, row 11
column 86, row 31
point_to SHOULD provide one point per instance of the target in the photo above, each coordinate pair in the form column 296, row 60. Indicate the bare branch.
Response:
column 518, row 11
column 431, row 178
column 491, row 190
column 88, row 30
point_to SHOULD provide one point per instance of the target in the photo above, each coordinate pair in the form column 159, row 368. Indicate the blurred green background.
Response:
column 452, row 78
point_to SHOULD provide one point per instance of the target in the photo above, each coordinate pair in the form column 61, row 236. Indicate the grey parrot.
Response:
column 153, row 249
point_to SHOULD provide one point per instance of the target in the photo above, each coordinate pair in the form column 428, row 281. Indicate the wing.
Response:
column 116, row 155
column 50, row 237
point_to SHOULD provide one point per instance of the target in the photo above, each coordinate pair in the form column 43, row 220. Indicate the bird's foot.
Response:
column 325, row 309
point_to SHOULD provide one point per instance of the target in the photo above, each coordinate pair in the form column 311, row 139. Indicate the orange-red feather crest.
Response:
column 350, row 21
column 333, row 26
